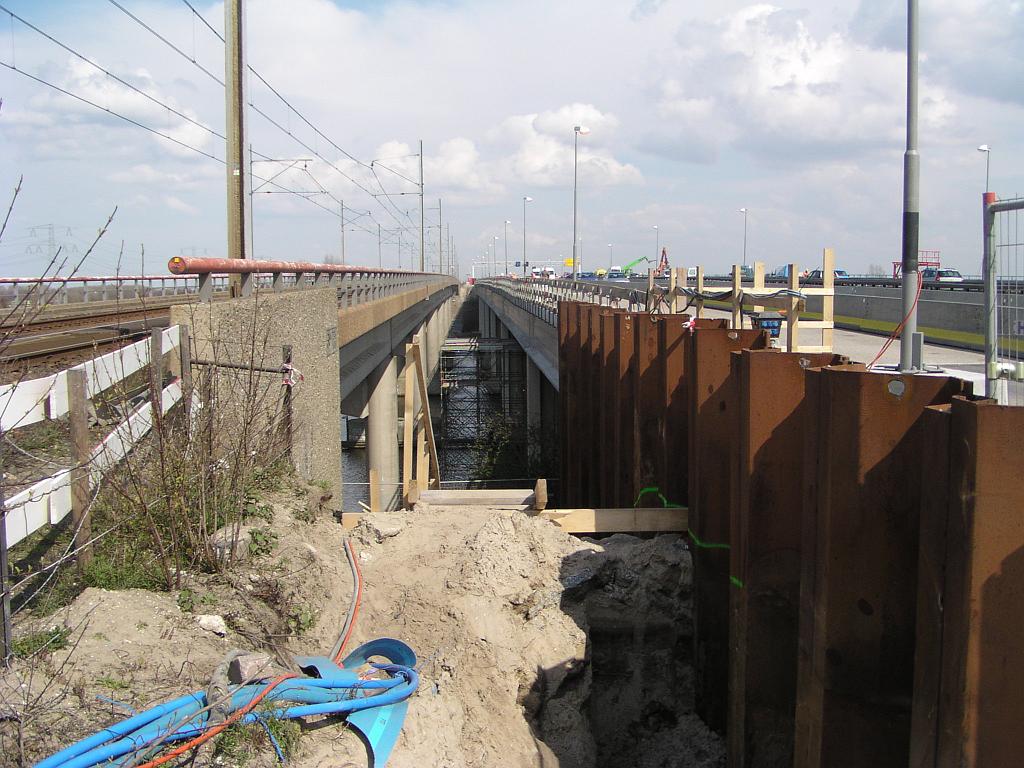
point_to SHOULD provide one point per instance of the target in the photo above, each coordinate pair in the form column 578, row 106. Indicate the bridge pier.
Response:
column 382, row 425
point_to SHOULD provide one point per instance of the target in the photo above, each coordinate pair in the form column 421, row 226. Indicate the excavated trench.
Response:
column 636, row 689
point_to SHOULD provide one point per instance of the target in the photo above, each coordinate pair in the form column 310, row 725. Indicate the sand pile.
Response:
column 535, row 648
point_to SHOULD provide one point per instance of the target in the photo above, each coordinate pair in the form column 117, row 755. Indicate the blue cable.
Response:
column 270, row 735
column 183, row 719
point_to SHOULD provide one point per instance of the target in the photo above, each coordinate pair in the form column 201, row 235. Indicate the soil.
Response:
column 536, row 648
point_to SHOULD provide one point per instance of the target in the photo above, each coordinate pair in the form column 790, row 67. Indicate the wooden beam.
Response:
column 700, row 289
column 374, row 490
column 483, row 497
column 428, row 428
column 408, row 441
column 626, row 520
column 672, row 298
column 793, row 313
column 758, row 282
column 828, row 282
column 737, row 309
column 540, row 494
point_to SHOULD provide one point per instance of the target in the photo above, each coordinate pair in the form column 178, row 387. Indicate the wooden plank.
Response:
column 818, row 324
column 81, row 451
column 793, row 312
column 482, row 497
column 374, row 490
column 428, row 427
column 422, row 461
column 828, row 282
column 758, row 283
column 621, row 520
column 350, row 520
column 737, row 309
column 672, row 298
column 408, row 424
column 700, row 289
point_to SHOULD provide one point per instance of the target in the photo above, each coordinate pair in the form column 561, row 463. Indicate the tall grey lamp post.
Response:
column 988, row 154
column 526, row 199
column 657, row 243
column 578, row 131
column 609, row 257
column 744, row 212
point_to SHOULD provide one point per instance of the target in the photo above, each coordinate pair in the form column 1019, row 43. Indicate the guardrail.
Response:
column 248, row 274
column 50, row 500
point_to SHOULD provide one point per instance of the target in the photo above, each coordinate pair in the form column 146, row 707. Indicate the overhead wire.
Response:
column 317, row 131
column 111, row 75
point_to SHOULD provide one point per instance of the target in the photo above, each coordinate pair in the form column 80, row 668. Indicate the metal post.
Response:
column 990, row 274
column 657, row 244
column 239, row 210
column 380, row 257
column 506, row 245
column 526, row 199
column 440, row 239
column 911, row 199
column 342, row 231
column 421, row 207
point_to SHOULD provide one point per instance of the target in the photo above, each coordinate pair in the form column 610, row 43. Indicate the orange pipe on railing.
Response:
column 187, row 265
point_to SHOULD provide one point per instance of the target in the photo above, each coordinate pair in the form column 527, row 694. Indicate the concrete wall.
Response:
column 253, row 330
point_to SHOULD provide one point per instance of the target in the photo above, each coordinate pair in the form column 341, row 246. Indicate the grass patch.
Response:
column 301, row 619
column 261, row 542
column 113, row 683
column 52, row 639
column 238, row 744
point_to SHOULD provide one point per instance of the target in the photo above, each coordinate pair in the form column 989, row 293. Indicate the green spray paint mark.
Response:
column 734, row 580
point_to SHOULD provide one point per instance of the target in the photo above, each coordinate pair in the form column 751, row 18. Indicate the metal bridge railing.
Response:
column 1002, row 267
column 356, row 285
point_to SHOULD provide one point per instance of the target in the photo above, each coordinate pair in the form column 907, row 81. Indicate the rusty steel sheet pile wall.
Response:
column 811, row 486
column 764, row 530
column 863, row 481
column 712, row 422
column 969, row 667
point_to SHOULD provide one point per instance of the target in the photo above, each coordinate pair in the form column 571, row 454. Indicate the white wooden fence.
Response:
column 48, row 501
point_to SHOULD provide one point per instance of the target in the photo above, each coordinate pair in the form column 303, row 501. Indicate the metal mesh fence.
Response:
column 1004, row 276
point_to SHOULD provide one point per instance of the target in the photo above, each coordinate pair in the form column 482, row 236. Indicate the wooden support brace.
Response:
column 623, row 520
column 737, row 304
column 540, row 494
column 793, row 313
column 428, row 428
column 700, row 289
column 828, row 282
column 408, row 427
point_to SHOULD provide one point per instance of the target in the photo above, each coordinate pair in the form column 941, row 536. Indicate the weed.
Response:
column 187, row 601
column 52, row 639
column 261, row 542
column 301, row 619
column 106, row 572
column 238, row 744
column 113, row 683
column 141, row 625
column 253, row 509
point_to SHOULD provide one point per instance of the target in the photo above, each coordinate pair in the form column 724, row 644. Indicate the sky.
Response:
column 792, row 110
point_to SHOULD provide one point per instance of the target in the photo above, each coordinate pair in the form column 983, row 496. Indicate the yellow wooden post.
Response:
column 700, row 289
column 793, row 313
column 758, row 282
column 828, row 281
column 737, row 304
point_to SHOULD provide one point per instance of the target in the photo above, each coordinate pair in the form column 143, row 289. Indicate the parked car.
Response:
column 818, row 274
column 933, row 275
column 615, row 275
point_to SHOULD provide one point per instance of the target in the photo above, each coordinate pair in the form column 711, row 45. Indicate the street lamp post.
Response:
column 657, row 243
column 494, row 255
column 507, row 222
column 609, row 257
column 526, row 199
column 578, row 130
column 988, row 154
column 744, row 212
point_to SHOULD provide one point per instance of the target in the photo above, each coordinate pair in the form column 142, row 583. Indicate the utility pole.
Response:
column 440, row 239
column 380, row 257
column 507, row 222
column 422, row 236
column 911, row 201
column 238, row 181
column 342, row 231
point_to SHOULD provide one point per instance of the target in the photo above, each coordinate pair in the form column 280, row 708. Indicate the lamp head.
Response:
column 527, row 199
column 581, row 130
column 743, row 210
column 984, row 148
column 507, row 221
